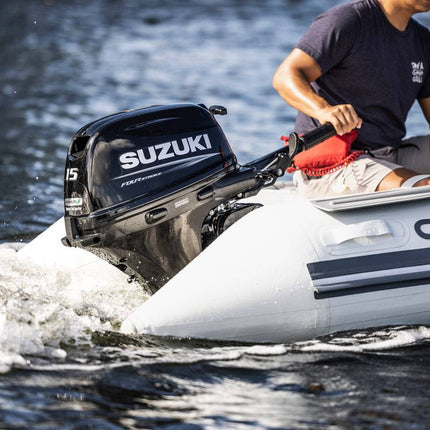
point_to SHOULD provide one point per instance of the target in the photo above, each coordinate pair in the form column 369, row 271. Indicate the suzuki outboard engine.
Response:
column 147, row 189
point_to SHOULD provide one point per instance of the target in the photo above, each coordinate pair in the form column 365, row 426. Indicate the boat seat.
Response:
column 409, row 183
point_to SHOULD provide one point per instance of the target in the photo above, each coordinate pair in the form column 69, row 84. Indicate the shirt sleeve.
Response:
column 331, row 36
column 425, row 89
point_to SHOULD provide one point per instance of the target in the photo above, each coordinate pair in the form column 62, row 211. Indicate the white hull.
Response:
column 286, row 271
column 47, row 251
column 289, row 271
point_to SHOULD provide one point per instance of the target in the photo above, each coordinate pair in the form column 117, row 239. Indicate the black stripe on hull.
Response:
column 371, row 288
column 334, row 278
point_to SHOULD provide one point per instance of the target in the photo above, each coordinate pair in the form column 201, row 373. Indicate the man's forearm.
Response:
column 293, row 82
column 425, row 107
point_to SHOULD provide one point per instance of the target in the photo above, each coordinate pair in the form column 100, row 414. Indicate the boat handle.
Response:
column 366, row 229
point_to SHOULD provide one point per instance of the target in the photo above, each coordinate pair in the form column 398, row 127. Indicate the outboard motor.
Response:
column 147, row 190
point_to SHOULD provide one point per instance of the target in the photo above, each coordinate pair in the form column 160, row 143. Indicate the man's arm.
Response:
column 425, row 106
column 293, row 82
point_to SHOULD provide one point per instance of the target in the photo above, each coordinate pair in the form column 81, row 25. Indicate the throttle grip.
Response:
column 318, row 135
column 298, row 143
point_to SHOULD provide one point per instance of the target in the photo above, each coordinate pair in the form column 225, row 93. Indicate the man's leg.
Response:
column 414, row 153
column 397, row 177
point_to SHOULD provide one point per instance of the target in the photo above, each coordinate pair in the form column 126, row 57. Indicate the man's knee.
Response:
column 396, row 178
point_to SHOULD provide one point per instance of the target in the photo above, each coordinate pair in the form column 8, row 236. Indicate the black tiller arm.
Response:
column 275, row 163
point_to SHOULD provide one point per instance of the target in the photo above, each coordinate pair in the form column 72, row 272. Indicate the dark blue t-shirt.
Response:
column 368, row 63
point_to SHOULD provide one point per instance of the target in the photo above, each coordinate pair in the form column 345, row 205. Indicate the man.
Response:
column 361, row 65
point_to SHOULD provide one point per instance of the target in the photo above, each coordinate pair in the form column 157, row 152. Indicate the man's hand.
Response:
column 344, row 118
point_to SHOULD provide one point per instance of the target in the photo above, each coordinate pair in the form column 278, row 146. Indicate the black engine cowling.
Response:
column 141, row 185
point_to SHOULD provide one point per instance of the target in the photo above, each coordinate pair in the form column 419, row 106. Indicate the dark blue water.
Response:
column 64, row 366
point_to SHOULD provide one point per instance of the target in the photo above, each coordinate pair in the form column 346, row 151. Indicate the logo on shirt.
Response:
column 417, row 72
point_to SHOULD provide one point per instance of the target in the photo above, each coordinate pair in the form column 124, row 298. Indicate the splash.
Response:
column 378, row 340
column 45, row 308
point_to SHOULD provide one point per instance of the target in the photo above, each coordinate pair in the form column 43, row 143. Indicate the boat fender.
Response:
column 327, row 157
column 409, row 183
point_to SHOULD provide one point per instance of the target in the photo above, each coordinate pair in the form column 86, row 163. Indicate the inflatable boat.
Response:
column 227, row 252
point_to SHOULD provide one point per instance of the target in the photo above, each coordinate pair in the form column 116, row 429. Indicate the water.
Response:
column 63, row 362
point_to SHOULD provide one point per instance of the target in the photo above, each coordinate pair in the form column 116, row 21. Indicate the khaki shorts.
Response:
column 364, row 174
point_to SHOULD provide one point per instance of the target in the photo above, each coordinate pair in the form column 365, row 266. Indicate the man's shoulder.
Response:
column 351, row 11
column 421, row 29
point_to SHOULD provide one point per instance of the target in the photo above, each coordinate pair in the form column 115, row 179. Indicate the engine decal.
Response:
column 73, row 205
column 171, row 163
column 72, row 174
column 182, row 202
column 164, row 151
column 140, row 179
column 73, row 202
